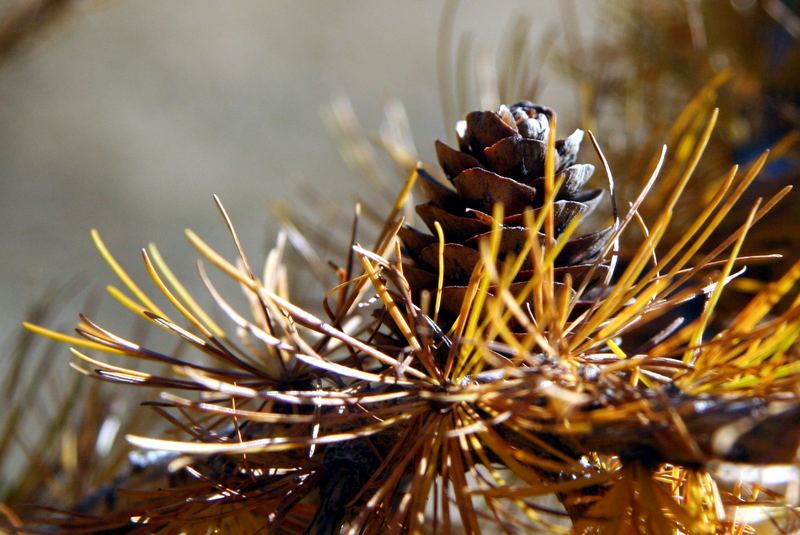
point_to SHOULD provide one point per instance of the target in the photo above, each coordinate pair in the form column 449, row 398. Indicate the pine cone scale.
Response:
column 487, row 128
column 575, row 177
column 517, row 157
column 440, row 194
column 458, row 228
column 452, row 161
column 584, row 248
column 483, row 189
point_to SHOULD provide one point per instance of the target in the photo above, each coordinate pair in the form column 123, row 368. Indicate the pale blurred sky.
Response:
column 129, row 115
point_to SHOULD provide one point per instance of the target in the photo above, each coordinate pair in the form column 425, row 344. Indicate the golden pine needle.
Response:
column 70, row 340
column 123, row 275
column 440, row 277
column 181, row 290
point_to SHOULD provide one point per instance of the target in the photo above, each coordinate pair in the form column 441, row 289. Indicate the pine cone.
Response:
column 501, row 160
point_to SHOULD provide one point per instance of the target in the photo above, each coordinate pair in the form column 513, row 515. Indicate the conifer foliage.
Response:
column 504, row 372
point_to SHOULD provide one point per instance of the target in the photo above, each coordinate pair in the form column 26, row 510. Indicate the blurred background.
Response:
column 128, row 115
